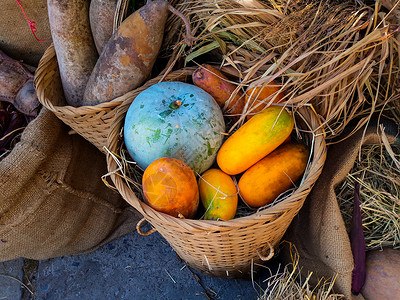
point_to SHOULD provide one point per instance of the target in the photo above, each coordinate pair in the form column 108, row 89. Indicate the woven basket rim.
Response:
column 48, row 57
column 193, row 225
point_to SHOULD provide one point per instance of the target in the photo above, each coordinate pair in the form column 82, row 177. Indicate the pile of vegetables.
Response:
column 175, row 132
column 177, row 120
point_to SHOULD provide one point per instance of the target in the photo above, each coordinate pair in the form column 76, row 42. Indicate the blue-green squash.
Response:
column 174, row 119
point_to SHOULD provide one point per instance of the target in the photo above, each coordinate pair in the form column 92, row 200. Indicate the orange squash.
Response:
column 170, row 186
column 218, row 194
column 219, row 87
column 255, row 139
column 258, row 97
column 274, row 174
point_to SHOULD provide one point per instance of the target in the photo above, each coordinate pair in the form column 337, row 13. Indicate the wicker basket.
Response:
column 91, row 122
column 221, row 248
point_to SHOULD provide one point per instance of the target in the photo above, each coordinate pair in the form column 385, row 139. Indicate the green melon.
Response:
column 174, row 119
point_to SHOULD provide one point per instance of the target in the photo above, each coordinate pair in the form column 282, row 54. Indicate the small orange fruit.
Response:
column 170, row 186
column 258, row 97
column 218, row 194
column 214, row 82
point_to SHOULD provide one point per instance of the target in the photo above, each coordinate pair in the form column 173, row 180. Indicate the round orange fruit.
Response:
column 170, row 186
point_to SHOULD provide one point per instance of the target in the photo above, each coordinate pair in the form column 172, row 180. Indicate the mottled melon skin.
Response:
column 191, row 133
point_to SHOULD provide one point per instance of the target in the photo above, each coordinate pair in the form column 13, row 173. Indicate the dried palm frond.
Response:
column 340, row 57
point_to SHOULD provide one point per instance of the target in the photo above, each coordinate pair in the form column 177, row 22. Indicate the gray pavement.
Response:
column 131, row 267
column 11, row 275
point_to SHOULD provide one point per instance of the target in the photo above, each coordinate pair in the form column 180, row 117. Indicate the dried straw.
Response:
column 121, row 12
column 378, row 173
column 341, row 57
column 288, row 284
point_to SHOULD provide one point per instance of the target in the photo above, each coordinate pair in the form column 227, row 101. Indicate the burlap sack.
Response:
column 318, row 231
column 16, row 38
column 52, row 199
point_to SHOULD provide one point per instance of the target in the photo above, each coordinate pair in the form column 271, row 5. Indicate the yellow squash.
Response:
column 274, row 174
column 258, row 137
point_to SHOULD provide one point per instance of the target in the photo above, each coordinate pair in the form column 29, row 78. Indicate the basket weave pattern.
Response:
column 91, row 122
column 221, row 248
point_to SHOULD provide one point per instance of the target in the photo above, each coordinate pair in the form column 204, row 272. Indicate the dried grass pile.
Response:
column 378, row 172
column 341, row 57
column 289, row 284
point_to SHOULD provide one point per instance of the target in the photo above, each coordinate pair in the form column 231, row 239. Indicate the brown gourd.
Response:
column 73, row 42
column 16, row 86
column 128, row 57
column 101, row 15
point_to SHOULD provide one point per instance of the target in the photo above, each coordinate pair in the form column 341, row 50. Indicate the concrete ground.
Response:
column 131, row 267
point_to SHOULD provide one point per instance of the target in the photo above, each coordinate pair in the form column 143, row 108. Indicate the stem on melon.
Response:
column 176, row 104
